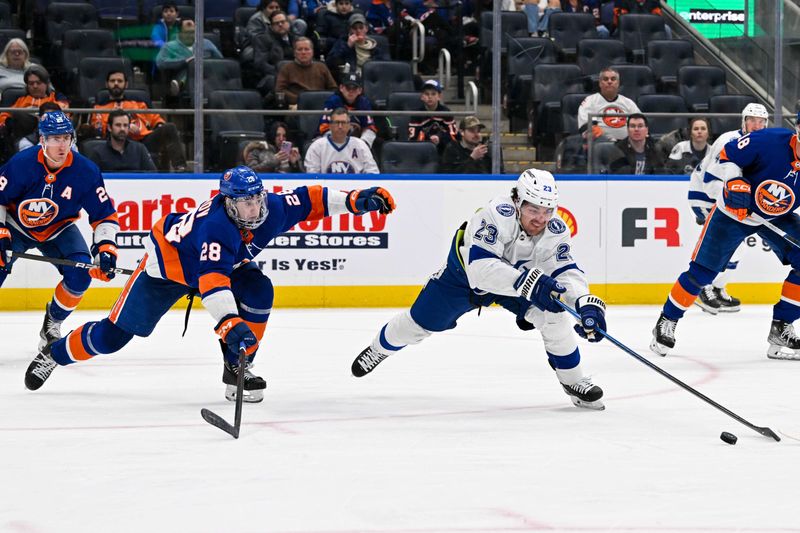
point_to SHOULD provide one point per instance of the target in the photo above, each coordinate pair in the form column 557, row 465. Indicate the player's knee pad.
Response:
column 698, row 276
column 77, row 280
column 253, row 292
column 557, row 332
column 401, row 331
column 106, row 337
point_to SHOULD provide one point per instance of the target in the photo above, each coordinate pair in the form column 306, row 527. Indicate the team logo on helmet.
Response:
column 227, row 176
column 774, row 198
column 37, row 212
column 614, row 122
column 569, row 219
column 507, row 210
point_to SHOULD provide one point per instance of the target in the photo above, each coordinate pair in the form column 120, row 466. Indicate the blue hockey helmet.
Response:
column 244, row 192
column 55, row 123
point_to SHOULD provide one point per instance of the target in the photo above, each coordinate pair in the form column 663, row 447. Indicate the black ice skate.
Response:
column 783, row 342
column 708, row 300
column 585, row 394
column 663, row 335
column 366, row 361
column 51, row 329
column 40, row 369
column 253, row 385
column 727, row 303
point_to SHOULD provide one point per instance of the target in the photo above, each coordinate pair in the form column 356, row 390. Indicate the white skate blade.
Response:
column 250, row 396
column 730, row 309
column 782, row 352
column 705, row 308
column 596, row 405
column 659, row 349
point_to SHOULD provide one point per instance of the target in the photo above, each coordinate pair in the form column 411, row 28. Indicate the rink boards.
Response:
column 631, row 235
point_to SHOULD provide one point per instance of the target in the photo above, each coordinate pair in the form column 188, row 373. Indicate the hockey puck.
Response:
column 730, row 438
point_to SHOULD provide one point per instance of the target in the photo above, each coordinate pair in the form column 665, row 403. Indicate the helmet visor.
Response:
column 248, row 211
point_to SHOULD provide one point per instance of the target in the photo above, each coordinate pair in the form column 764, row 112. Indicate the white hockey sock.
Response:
column 569, row 376
column 398, row 333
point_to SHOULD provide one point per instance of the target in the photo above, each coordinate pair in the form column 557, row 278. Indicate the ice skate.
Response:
column 663, row 335
column 783, row 341
column 253, row 385
column 366, row 361
column 727, row 303
column 585, row 394
column 51, row 329
column 40, row 369
column 708, row 300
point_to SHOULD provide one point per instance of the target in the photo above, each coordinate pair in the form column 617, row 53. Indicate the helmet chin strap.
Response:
column 43, row 142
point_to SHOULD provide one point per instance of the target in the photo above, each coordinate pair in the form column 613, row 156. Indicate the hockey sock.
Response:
column 398, row 333
column 686, row 289
column 90, row 339
column 64, row 301
column 724, row 277
column 564, row 362
column 788, row 307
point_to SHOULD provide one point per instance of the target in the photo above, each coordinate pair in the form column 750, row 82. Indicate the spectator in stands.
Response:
column 639, row 7
column 160, row 137
column 269, row 49
column 379, row 16
column 37, row 91
column 175, row 57
column 337, row 152
column 587, row 6
column 350, row 97
column 168, row 26
column 14, row 60
column 438, row 129
column 303, row 74
column 638, row 154
column 332, row 24
column 121, row 154
column 260, row 21
column 276, row 154
column 350, row 53
column 685, row 155
column 33, row 138
column 538, row 13
column 470, row 155
column 439, row 34
column 608, row 100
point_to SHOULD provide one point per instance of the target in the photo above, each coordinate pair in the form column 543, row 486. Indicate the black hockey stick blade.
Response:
column 767, row 432
column 66, row 262
column 215, row 420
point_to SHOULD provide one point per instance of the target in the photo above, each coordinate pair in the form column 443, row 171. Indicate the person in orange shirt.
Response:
column 160, row 137
column 38, row 91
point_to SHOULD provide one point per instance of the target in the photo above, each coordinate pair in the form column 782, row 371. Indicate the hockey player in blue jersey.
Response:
column 514, row 252
column 42, row 191
column 759, row 172
column 209, row 250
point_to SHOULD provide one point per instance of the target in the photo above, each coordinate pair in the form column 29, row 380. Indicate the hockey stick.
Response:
column 66, row 262
column 775, row 229
column 767, row 432
column 214, row 419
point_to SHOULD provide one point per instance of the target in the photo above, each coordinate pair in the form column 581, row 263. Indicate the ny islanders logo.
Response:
column 340, row 167
column 774, row 198
column 37, row 212
column 614, row 122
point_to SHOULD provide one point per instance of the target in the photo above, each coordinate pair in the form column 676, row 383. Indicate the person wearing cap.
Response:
column 438, row 129
column 332, row 24
column 303, row 74
column 337, row 152
column 350, row 96
column 350, row 52
column 470, row 154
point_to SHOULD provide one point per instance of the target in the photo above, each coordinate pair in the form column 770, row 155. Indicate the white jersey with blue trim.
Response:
column 704, row 187
column 496, row 249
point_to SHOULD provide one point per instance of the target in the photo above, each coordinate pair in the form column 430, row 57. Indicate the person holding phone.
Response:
column 277, row 154
column 472, row 153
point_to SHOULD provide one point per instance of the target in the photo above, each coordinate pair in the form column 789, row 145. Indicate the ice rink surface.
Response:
column 468, row 432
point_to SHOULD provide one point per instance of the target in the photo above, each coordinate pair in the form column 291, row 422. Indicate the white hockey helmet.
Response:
column 537, row 187
column 754, row 110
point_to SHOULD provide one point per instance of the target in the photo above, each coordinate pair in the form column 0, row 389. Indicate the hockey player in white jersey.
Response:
column 704, row 189
column 514, row 252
